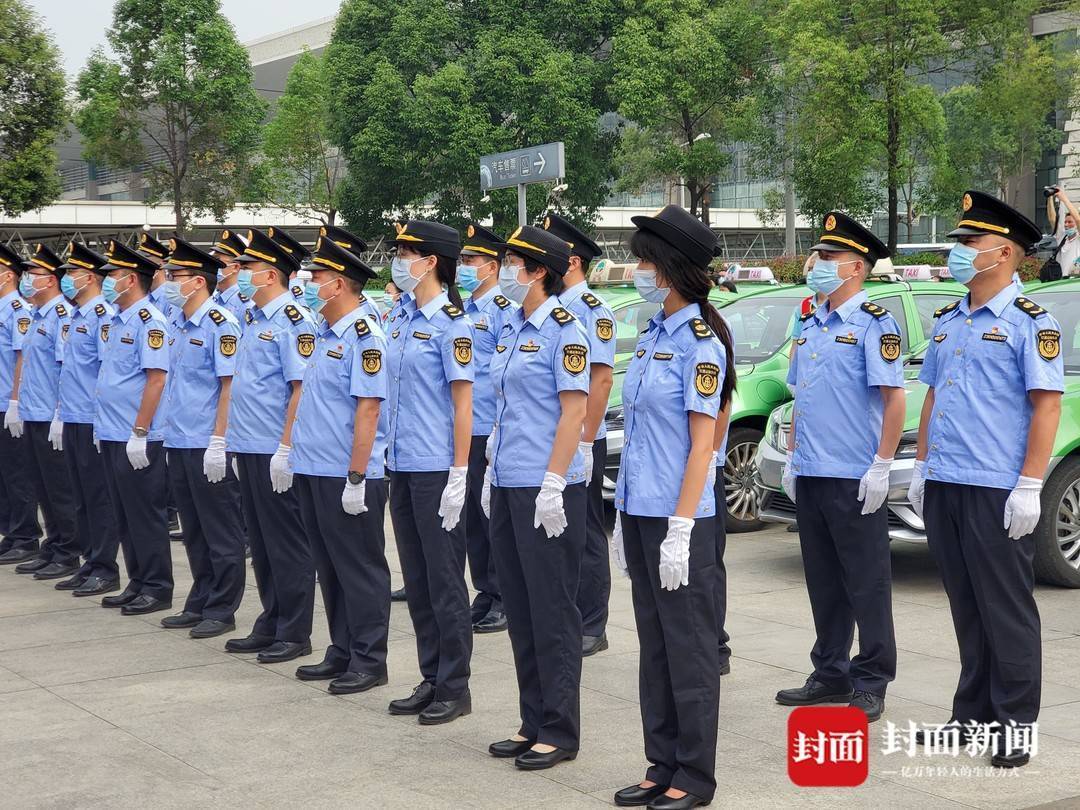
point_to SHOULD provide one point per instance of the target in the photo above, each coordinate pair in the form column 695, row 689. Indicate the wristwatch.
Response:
column 355, row 478
column 139, row 432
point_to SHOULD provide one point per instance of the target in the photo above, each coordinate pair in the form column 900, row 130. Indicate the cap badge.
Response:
column 967, row 202
column 470, row 232
column 830, row 223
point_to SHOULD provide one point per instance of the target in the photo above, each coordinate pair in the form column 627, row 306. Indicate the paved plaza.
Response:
column 99, row 710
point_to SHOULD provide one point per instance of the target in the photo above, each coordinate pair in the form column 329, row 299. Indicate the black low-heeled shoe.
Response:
column 638, row 796
column 685, row 803
column 540, row 760
column 504, row 749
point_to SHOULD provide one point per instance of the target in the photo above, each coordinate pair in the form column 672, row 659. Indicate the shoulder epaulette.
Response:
column 99, row 310
column 363, row 298
column 947, row 308
column 216, row 316
column 561, row 316
column 1029, row 307
column 501, row 301
column 293, row 313
column 248, row 317
column 362, row 327
column 807, row 316
column 701, row 329
column 61, row 310
column 453, row 312
column 590, row 299
column 874, row 309
column 145, row 315
column 16, row 304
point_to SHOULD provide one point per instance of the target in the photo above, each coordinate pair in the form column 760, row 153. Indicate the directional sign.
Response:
column 533, row 164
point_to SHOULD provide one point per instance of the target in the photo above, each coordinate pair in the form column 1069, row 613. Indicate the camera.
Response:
column 1050, row 191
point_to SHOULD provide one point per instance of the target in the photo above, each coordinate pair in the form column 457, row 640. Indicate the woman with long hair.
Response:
column 680, row 379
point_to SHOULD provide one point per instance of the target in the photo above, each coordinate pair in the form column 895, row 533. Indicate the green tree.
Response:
column 32, row 110
column 177, row 104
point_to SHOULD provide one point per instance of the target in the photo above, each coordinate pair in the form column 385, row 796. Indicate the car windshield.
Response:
column 761, row 325
column 1065, row 306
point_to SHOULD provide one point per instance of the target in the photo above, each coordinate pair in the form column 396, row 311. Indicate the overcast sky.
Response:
column 78, row 25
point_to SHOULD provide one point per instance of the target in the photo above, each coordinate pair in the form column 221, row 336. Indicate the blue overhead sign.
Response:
column 532, row 164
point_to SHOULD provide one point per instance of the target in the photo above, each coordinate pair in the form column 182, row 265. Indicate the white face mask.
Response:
column 401, row 272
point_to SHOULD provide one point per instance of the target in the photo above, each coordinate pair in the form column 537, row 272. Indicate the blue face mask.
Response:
column 108, row 289
column 170, row 291
column 243, row 281
column 510, row 286
column 67, row 287
column 466, row 277
column 825, row 278
column 645, row 284
column 311, row 295
column 1070, row 232
column 26, row 286
column 962, row 262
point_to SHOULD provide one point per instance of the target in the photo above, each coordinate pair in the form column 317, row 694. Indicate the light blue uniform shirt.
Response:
column 278, row 340
column 535, row 360
column 981, row 365
column 137, row 340
column 43, row 354
column 429, row 348
column 83, row 350
column 204, row 350
column 841, row 360
column 233, row 301
column 349, row 364
column 15, row 318
column 677, row 369
column 599, row 322
column 488, row 313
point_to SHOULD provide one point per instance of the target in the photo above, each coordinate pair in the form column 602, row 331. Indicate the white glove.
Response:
column 675, row 553
column 488, row 446
column 917, row 487
column 213, row 461
column 136, row 452
column 280, row 474
column 874, row 485
column 56, row 433
column 97, row 442
column 453, row 498
column 353, row 499
column 618, row 551
column 235, row 469
column 485, row 493
column 549, row 506
column 1023, row 508
column 787, row 481
column 586, row 451
column 12, row 421
column 710, row 479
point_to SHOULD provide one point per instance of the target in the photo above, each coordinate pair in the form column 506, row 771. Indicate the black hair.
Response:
column 354, row 286
column 446, row 272
column 691, row 281
column 142, row 282
column 728, row 284
column 553, row 283
column 211, row 281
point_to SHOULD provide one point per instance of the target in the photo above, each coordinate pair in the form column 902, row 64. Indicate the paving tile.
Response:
column 66, row 627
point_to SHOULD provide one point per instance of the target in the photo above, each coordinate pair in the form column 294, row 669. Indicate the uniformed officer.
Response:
column 18, row 500
column 995, row 373
column 278, row 340
column 356, row 246
column 299, row 254
column 83, row 348
column 339, row 440
column 487, row 308
column 37, row 392
column 229, row 246
column 537, row 495
column 430, row 404
column 129, row 425
column 849, row 413
column 680, row 378
column 599, row 322
column 196, row 413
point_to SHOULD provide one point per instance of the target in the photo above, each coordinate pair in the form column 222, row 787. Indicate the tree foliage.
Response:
column 176, row 103
column 32, row 110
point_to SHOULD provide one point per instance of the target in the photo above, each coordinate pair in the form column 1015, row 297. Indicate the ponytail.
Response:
column 711, row 315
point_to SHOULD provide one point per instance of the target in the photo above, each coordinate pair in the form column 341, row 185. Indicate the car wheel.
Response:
column 1057, row 537
column 741, row 489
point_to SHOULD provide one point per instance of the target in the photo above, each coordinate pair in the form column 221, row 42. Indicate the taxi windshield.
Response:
column 761, row 325
column 1065, row 306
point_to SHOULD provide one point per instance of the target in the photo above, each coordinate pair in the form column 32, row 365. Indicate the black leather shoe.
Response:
column 663, row 802
column 504, row 749
column 181, row 621
column 322, row 671
column 352, row 682
column 1011, row 759
column 398, row 595
column 481, row 606
column 281, row 651
column 812, row 693
column 56, row 570
column 493, row 622
column 591, row 645
column 31, row 566
column 443, row 711
column 637, row 796
column 72, row 584
column 17, row 555
column 248, row 644
column 537, row 761
column 871, row 704
column 121, row 599
column 415, row 703
column 210, row 628
column 143, row 604
column 95, row 586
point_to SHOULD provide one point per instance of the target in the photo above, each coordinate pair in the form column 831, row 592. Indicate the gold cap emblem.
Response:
column 967, row 202
column 830, row 223
column 470, row 231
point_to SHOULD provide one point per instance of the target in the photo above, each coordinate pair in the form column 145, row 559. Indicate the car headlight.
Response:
column 909, row 444
column 614, row 418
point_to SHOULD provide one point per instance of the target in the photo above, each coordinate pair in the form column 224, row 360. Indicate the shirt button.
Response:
column 933, row 447
column 824, row 329
column 813, row 356
column 930, row 470
column 959, row 352
column 948, row 382
column 968, row 321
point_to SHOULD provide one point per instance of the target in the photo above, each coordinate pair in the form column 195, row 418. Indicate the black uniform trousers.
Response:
column 213, row 536
column 18, row 500
column 49, row 472
column 679, row 667
column 139, row 500
column 477, row 535
column 540, row 577
column 990, row 584
column 280, row 556
column 95, row 516
column 849, row 581
column 433, row 566
column 349, row 553
column 720, row 522
column 594, row 589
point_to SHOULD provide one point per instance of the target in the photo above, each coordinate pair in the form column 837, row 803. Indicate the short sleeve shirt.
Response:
column 599, row 323
column 83, row 350
column 15, row 318
column 43, row 354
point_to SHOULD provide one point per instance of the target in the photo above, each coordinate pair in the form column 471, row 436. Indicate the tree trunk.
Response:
column 331, row 218
column 705, row 204
column 893, row 155
column 789, row 209
column 695, row 196
column 178, row 208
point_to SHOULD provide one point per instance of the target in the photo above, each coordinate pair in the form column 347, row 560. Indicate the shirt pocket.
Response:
column 196, row 356
column 992, row 360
